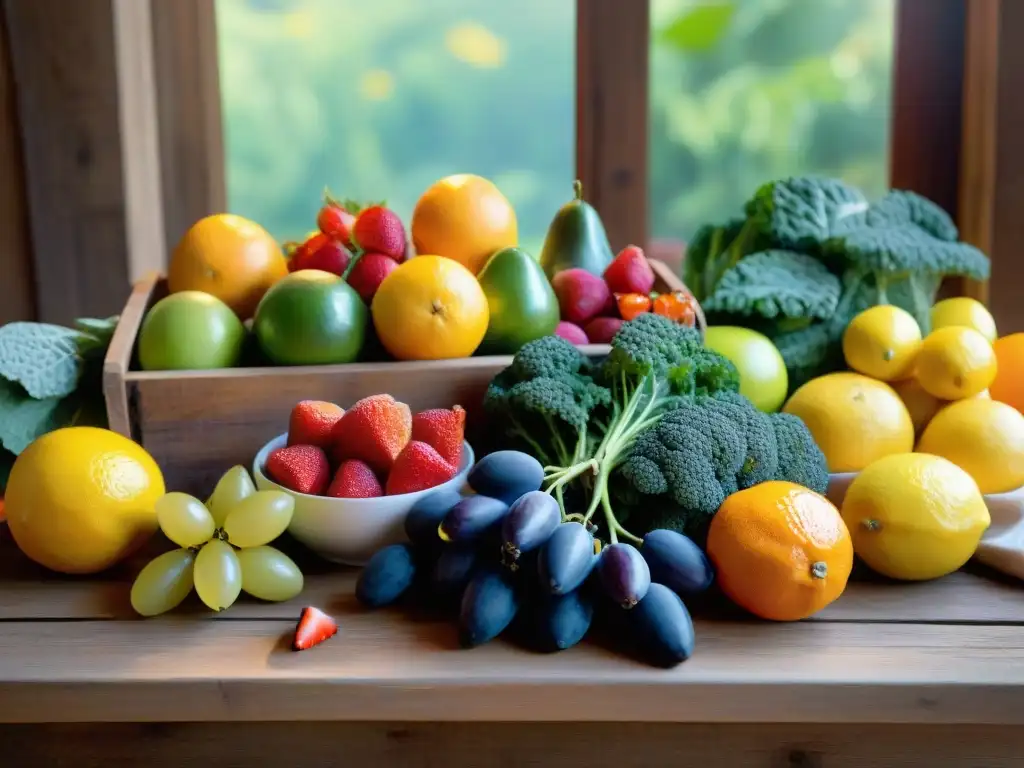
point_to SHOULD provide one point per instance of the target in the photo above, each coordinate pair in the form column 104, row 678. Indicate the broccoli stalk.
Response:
column 640, row 410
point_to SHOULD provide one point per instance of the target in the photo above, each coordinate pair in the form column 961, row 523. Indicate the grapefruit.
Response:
column 430, row 308
column 465, row 218
column 230, row 257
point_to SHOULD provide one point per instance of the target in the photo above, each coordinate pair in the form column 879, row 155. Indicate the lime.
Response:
column 882, row 342
column 190, row 330
column 965, row 312
column 763, row 376
column 311, row 318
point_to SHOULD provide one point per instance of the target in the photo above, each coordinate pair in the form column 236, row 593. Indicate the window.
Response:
column 746, row 91
column 377, row 100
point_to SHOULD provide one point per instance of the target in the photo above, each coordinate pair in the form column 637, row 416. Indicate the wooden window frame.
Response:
column 953, row 124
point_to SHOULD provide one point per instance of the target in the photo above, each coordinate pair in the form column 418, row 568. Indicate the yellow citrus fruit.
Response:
column 781, row 551
column 914, row 516
column 80, row 499
column 882, row 342
column 430, row 308
column 465, row 218
column 854, row 419
column 1008, row 386
column 955, row 362
column 966, row 312
column 985, row 438
column 230, row 257
column 920, row 405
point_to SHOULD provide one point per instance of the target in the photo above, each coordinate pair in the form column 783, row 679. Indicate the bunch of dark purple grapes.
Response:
column 502, row 559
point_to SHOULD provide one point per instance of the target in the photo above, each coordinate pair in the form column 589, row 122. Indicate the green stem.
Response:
column 561, row 501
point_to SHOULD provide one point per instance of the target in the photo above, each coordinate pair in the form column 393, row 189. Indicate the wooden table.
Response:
column 890, row 675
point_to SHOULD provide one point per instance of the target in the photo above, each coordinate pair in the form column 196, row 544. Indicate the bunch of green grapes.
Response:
column 224, row 548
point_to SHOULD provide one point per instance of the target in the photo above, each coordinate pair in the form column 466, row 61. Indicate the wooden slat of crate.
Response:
column 197, row 423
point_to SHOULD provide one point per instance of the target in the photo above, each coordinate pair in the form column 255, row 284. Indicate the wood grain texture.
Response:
column 17, row 290
column 612, row 50
column 189, row 110
column 501, row 745
column 119, row 354
column 63, row 57
column 385, row 667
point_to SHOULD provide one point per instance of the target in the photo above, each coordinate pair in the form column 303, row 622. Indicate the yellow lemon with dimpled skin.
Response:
column 955, row 362
column 966, row 312
column 914, row 516
column 80, row 499
column 882, row 342
column 983, row 437
column 854, row 419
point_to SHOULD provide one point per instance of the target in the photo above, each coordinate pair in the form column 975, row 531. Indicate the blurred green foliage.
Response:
column 376, row 100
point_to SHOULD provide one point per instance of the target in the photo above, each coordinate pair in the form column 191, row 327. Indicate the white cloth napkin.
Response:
column 1002, row 545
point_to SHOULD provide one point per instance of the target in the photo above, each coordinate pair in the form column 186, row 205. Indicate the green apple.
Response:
column 190, row 330
column 763, row 376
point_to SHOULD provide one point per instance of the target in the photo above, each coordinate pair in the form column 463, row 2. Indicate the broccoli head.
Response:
column 800, row 459
column 674, row 354
column 546, row 399
column 761, row 458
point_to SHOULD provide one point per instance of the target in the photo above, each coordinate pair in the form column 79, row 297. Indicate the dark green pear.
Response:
column 522, row 303
column 576, row 239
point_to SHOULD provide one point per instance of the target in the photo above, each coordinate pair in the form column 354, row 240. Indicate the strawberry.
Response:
column 417, row 468
column 301, row 253
column 355, row 480
column 330, row 256
column 300, row 468
column 374, row 430
column 313, row 628
column 312, row 422
column 379, row 229
column 630, row 272
column 336, row 222
column 369, row 272
column 443, row 429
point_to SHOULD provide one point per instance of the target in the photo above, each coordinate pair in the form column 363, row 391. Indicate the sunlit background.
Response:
column 376, row 100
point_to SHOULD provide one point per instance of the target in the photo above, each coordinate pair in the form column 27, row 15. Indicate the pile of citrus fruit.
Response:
column 928, row 424
column 363, row 287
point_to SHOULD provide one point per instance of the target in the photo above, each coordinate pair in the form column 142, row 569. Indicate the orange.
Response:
column 465, row 218
column 781, row 551
column 230, row 257
column 430, row 308
column 1008, row 386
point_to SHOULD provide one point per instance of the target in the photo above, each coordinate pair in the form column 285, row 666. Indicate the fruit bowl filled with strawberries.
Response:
column 356, row 473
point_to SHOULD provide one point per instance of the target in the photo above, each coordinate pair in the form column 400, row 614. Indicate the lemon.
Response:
column 962, row 311
column 80, row 499
column 955, row 362
column 882, row 342
column 985, row 438
column 914, row 516
column 854, row 419
column 920, row 405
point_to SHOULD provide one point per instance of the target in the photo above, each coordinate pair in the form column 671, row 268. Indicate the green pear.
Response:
column 522, row 302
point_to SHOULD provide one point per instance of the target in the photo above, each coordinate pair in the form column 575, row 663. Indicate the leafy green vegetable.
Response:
column 50, row 377
column 776, row 284
column 657, row 427
column 757, row 272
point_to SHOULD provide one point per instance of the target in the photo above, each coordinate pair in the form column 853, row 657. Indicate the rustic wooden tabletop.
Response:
column 947, row 653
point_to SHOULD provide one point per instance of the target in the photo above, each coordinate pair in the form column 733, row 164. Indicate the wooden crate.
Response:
column 198, row 423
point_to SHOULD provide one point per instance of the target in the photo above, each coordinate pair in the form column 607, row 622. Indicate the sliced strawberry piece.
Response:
column 313, row 628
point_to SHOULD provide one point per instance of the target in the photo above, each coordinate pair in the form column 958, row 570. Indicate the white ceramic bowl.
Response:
column 349, row 531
